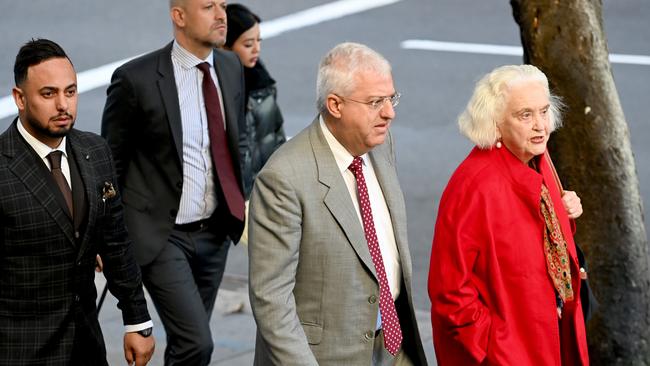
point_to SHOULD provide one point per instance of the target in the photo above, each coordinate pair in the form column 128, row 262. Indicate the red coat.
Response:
column 493, row 302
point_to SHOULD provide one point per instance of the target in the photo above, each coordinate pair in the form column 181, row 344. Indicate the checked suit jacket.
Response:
column 47, row 289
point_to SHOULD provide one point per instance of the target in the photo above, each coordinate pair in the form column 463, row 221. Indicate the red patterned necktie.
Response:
column 219, row 145
column 389, row 319
column 55, row 163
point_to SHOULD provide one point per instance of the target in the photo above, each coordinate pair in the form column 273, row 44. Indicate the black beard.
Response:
column 44, row 131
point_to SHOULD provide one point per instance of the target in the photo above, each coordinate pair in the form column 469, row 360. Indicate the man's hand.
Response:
column 138, row 349
column 99, row 265
column 572, row 204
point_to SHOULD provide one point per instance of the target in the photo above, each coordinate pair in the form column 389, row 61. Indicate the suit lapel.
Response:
column 337, row 199
column 169, row 96
column 86, row 172
column 24, row 164
column 231, row 92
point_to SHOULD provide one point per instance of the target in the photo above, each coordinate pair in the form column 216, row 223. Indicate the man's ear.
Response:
column 334, row 105
column 19, row 98
column 178, row 16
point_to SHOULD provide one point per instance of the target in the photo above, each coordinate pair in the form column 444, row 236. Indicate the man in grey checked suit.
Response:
column 59, row 208
column 327, row 276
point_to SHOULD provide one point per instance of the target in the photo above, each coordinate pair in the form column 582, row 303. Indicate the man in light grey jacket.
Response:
column 330, row 269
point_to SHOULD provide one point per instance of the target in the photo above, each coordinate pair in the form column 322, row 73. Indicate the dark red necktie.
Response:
column 55, row 163
column 219, row 146
column 389, row 319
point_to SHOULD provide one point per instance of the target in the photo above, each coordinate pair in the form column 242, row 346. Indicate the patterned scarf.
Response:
column 555, row 248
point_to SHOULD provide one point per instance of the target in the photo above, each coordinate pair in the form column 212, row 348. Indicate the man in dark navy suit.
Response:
column 171, row 119
column 59, row 208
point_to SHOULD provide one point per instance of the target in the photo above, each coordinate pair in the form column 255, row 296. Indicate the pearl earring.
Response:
column 499, row 144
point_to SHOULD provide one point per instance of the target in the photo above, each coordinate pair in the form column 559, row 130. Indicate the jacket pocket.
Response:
column 314, row 332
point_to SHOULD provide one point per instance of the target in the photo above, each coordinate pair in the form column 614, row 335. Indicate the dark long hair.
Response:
column 240, row 19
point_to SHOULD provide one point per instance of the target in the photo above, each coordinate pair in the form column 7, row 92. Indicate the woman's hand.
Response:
column 572, row 204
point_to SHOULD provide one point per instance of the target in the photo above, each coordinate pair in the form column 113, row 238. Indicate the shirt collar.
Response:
column 341, row 154
column 41, row 149
column 188, row 60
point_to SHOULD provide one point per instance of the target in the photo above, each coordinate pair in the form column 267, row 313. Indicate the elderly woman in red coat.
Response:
column 504, row 281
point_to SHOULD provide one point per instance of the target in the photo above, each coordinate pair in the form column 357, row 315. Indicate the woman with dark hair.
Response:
column 263, row 131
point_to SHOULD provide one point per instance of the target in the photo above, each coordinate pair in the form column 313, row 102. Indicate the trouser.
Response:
column 183, row 282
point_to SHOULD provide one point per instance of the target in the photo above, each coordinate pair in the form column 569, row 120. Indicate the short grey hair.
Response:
column 486, row 106
column 338, row 69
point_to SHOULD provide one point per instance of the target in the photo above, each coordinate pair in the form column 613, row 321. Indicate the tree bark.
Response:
column 566, row 40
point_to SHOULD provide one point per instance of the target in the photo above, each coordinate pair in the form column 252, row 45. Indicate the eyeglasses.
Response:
column 377, row 103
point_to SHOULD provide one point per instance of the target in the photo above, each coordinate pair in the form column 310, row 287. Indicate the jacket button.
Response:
column 76, row 298
column 372, row 299
column 76, row 235
column 79, row 263
column 370, row 335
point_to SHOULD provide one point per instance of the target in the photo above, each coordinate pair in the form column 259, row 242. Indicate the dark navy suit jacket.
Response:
column 47, row 259
column 142, row 123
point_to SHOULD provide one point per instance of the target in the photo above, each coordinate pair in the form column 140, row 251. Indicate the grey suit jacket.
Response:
column 142, row 124
column 313, row 286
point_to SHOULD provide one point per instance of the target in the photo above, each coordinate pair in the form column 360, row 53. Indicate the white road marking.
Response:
column 319, row 14
column 101, row 76
column 493, row 49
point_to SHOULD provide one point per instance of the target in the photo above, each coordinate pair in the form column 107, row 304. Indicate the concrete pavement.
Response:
column 232, row 323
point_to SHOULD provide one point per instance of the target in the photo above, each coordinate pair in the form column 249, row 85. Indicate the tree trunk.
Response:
column 566, row 40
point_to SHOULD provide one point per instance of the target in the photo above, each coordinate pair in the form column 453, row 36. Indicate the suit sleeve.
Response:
column 460, row 319
column 274, row 246
column 120, row 268
column 118, row 121
column 242, row 116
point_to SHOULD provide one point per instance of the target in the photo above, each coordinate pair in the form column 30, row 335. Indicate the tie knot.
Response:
column 357, row 165
column 204, row 67
column 55, row 159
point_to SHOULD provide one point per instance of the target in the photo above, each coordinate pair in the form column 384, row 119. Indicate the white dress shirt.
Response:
column 198, row 197
column 380, row 213
column 43, row 151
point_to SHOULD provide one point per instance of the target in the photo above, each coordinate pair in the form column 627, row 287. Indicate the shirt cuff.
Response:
column 138, row 327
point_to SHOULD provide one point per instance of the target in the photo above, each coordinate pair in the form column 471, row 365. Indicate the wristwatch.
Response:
column 145, row 332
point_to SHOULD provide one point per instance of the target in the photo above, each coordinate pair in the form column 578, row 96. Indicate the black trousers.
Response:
column 88, row 348
column 183, row 282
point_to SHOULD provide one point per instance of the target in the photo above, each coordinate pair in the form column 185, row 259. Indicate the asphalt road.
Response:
column 435, row 85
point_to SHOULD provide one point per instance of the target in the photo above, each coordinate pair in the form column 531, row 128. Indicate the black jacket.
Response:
column 262, row 132
column 47, row 288
column 142, row 124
